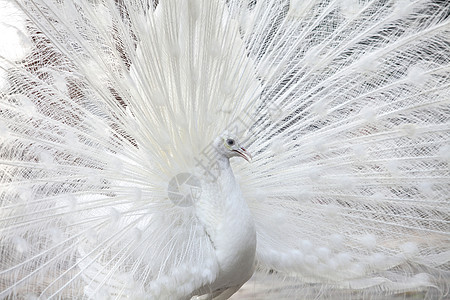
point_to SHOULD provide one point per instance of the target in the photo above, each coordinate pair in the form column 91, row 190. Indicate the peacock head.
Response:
column 228, row 145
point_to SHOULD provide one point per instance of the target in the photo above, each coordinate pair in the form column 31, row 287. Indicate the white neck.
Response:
column 229, row 224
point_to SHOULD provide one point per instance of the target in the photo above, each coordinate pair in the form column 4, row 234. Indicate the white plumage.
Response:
column 118, row 120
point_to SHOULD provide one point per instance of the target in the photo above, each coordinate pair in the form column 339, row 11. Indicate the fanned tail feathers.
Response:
column 343, row 104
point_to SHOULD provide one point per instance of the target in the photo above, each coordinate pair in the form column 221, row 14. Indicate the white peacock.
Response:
column 118, row 121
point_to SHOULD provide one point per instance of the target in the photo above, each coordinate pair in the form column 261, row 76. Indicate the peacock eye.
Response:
column 230, row 142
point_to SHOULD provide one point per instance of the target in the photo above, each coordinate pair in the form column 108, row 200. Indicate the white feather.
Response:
column 110, row 115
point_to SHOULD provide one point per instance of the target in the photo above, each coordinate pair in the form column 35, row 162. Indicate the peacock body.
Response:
column 119, row 121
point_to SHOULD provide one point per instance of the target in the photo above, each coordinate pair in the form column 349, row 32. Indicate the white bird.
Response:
column 118, row 120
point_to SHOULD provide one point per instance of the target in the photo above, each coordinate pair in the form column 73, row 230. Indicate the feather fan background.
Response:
column 345, row 106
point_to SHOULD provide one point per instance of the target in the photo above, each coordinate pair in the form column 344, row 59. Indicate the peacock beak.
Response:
column 244, row 154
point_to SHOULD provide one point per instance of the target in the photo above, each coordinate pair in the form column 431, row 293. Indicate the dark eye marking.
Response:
column 230, row 142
